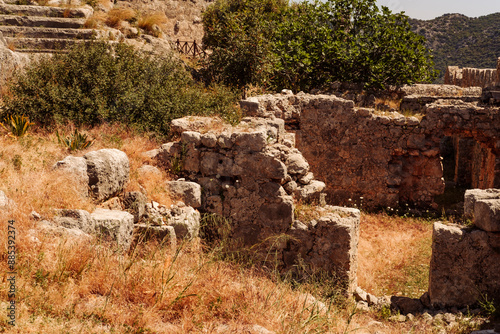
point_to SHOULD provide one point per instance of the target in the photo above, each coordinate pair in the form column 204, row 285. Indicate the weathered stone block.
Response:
column 79, row 219
column 188, row 192
column 487, row 214
column 473, row 195
column 162, row 234
column 116, row 225
column 108, row 171
column 185, row 221
column 296, row 164
column 250, row 141
column 464, row 267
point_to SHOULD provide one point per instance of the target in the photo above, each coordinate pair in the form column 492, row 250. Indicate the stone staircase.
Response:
column 44, row 29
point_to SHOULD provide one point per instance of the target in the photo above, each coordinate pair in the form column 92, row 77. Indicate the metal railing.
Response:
column 192, row 49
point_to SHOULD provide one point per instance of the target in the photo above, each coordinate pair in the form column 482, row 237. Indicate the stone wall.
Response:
column 373, row 158
column 183, row 17
column 471, row 77
column 465, row 263
column 252, row 174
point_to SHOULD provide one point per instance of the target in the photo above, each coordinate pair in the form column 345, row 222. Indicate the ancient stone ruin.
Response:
column 465, row 264
column 384, row 159
column 253, row 175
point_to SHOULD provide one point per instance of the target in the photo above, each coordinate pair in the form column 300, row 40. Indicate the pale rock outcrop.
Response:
column 108, row 171
column 115, row 225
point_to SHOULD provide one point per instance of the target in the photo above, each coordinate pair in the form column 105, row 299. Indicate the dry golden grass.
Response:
column 394, row 255
column 391, row 103
column 117, row 15
column 150, row 23
column 95, row 21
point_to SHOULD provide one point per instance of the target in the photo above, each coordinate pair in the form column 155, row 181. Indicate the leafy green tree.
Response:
column 310, row 44
column 239, row 34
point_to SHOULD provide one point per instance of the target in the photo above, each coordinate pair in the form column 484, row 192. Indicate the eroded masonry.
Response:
column 384, row 159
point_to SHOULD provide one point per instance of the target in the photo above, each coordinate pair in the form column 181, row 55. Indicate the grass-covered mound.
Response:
column 96, row 83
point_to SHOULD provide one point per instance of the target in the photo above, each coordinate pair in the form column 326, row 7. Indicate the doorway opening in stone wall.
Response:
column 466, row 165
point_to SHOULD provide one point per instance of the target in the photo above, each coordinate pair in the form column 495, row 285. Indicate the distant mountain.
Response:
column 462, row 41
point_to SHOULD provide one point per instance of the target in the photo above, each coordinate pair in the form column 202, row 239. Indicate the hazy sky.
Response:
column 429, row 9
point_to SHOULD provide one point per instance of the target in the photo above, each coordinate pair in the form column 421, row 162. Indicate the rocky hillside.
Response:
column 460, row 40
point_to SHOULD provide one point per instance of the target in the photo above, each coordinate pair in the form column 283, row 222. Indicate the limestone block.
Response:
column 186, row 222
column 162, row 234
column 259, row 166
column 116, row 225
column 473, row 195
column 108, row 171
column 188, row 192
column 464, row 266
column 209, row 140
column 335, row 244
column 75, row 165
column 79, row 219
column 296, row 164
column 487, row 214
column 191, row 137
column 224, row 140
column 250, row 141
column 309, row 191
column 191, row 160
column 48, row 227
column 135, row 203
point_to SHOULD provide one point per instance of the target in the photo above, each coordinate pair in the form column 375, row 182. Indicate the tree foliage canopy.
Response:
column 310, row 44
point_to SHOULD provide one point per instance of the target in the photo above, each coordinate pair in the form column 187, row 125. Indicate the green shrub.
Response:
column 95, row 83
column 75, row 142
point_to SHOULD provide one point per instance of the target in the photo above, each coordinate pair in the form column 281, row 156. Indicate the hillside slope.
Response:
column 462, row 41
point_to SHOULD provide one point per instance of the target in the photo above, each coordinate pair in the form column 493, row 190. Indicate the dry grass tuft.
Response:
column 117, row 15
column 394, row 255
column 152, row 23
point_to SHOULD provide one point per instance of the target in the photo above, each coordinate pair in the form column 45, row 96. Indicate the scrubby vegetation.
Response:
column 96, row 83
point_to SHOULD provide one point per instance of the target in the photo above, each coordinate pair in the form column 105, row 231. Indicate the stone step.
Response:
column 37, row 21
column 39, row 44
column 36, row 32
column 45, row 11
